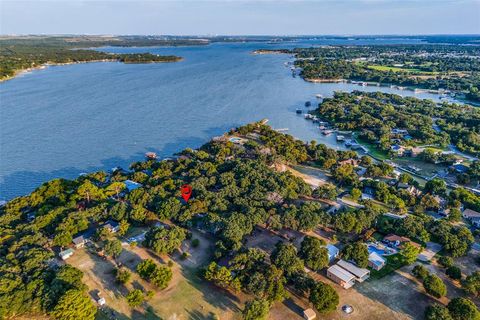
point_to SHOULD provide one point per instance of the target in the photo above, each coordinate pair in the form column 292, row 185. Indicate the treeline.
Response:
column 21, row 54
column 423, row 66
column 234, row 190
column 376, row 114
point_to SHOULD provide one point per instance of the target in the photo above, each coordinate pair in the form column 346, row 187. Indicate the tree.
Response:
column 434, row 286
column 358, row 252
column 285, row 257
column 313, row 253
column 324, row 297
column 221, row 276
column 146, row 268
column 135, row 298
column 437, row 312
column 161, row 276
column 74, row 305
column 163, row 240
column 420, row 272
column 472, row 283
column 123, row 227
column 114, row 188
column 454, row 272
column 89, row 191
column 409, row 253
column 326, row 191
column 436, row 186
column 113, row 248
column 62, row 239
column 356, row 193
column 256, row 310
column 463, row 309
column 445, row 261
column 123, row 275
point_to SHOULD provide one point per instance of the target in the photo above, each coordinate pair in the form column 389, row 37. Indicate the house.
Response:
column 131, row 185
column 111, row 225
column 65, row 254
column 399, row 131
column 459, row 168
column 79, row 242
column 397, row 149
column 472, row 216
column 360, row 274
column 394, row 240
column 353, row 162
column 335, row 208
column 332, row 252
column 341, row 276
column 309, row 314
column 361, row 170
column 375, row 261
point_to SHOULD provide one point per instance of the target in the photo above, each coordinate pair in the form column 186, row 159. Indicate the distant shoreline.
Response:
column 49, row 64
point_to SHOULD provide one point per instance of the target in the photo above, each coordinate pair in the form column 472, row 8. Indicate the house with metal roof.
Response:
column 375, row 261
column 360, row 274
column 341, row 276
column 65, row 254
column 332, row 252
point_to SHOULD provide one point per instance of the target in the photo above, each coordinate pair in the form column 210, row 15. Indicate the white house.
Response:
column 65, row 254
column 375, row 261
column 333, row 252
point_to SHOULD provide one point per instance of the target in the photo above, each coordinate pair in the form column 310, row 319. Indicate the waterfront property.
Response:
column 132, row 185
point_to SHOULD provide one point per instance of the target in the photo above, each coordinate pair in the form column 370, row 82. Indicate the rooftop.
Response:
column 341, row 273
column 353, row 269
column 469, row 213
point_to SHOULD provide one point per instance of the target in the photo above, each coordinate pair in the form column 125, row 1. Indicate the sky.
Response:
column 240, row 17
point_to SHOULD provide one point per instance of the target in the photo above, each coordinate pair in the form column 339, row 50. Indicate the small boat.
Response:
column 298, row 111
column 151, row 155
column 327, row 132
column 340, row 138
column 308, row 104
column 315, row 119
column 308, row 116
column 319, row 96
column 322, row 128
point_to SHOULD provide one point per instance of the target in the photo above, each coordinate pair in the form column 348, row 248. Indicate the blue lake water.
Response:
column 65, row 120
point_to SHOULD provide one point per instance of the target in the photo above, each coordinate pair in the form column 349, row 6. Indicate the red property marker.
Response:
column 186, row 192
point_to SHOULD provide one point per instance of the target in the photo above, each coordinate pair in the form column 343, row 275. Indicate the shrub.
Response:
column 420, row 272
column 135, row 298
column 195, row 243
column 435, row 286
column 445, row 261
column 463, row 309
column 454, row 272
column 123, row 275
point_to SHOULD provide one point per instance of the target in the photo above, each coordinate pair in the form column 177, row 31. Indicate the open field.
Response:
column 188, row 296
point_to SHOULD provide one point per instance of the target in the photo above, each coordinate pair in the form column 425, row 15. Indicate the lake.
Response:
column 65, row 120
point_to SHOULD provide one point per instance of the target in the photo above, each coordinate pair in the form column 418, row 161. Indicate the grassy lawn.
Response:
column 399, row 69
column 394, row 262
column 373, row 150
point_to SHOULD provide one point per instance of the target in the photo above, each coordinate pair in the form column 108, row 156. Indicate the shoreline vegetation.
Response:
column 24, row 54
column 239, row 201
column 433, row 68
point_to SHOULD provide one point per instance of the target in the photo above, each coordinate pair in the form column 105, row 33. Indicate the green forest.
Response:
column 17, row 54
column 375, row 115
column 235, row 189
column 450, row 67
